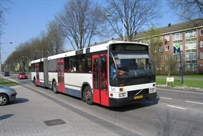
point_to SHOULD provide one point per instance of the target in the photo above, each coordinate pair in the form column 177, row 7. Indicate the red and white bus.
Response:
column 87, row 73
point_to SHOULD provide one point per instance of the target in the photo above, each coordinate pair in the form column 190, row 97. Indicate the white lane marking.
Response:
column 166, row 98
column 194, row 102
column 172, row 106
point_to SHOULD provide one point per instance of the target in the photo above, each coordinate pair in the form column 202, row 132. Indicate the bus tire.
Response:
column 54, row 87
column 87, row 94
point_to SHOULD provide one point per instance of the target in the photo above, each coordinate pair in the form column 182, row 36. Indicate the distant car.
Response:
column 6, row 73
column 7, row 94
column 22, row 75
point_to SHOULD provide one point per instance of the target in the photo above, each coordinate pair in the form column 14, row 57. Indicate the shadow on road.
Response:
column 5, row 116
column 134, row 106
column 19, row 100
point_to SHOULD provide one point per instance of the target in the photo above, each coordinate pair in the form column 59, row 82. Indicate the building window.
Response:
column 166, row 68
column 167, row 48
column 191, row 56
column 177, row 36
column 166, row 38
column 201, row 32
column 201, row 55
column 190, row 66
column 161, row 49
column 190, row 45
column 177, row 57
column 201, row 44
column 161, row 58
column 166, row 58
column 190, row 34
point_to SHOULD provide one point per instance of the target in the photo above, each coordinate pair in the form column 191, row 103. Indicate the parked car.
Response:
column 22, row 75
column 6, row 73
column 7, row 94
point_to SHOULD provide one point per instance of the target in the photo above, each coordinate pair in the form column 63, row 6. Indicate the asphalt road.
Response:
column 174, row 113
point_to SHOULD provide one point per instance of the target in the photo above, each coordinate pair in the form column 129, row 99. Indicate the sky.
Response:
column 26, row 19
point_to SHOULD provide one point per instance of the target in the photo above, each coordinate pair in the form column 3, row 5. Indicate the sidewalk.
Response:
column 28, row 115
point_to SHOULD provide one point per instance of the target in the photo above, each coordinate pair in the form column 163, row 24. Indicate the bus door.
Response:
column 100, row 80
column 37, row 82
column 60, row 70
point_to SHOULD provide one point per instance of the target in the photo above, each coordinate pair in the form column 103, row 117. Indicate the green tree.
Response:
column 156, row 47
column 153, row 38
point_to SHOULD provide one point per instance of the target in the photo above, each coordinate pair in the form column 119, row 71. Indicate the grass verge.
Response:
column 178, row 82
column 6, row 82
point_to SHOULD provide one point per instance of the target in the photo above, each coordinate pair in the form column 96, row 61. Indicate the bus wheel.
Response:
column 54, row 87
column 88, row 95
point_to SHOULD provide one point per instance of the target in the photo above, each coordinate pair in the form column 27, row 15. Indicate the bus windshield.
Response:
column 133, row 65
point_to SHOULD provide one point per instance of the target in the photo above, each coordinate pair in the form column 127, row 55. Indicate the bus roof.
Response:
column 37, row 60
column 92, row 48
column 65, row 54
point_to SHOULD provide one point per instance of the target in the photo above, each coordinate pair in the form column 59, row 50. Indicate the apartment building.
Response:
column 189, row 35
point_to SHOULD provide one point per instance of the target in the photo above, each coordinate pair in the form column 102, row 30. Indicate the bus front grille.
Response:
column 138, row 92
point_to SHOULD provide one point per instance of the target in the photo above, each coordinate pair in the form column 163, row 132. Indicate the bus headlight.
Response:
column 122, row 94
column 152, row 90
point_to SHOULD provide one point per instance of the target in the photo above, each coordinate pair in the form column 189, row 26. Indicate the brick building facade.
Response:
column 189, row 35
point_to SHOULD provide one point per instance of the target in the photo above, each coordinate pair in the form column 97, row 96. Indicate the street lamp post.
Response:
column 0, row 56
column 40, row 51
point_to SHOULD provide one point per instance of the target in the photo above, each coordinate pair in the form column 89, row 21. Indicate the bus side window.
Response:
column 71, row 65
column 66, row 64
column 88, row 65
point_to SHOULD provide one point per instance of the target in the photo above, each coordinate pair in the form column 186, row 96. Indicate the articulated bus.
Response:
column 111, row 74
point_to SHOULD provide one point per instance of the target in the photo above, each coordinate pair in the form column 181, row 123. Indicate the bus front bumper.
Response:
column 131, row 100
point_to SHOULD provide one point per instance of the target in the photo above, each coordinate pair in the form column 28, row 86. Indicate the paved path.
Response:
column 27, row 115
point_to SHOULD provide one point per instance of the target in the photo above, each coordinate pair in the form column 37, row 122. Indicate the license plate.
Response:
column 138, row 97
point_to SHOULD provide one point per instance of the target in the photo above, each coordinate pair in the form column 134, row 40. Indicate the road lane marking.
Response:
column 194, row 102
column 166, row 98
column 172, row 106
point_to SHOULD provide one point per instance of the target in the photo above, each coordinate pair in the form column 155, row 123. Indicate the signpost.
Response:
column 176, row 49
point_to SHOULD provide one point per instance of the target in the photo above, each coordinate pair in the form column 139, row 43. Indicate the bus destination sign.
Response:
column 129, row 47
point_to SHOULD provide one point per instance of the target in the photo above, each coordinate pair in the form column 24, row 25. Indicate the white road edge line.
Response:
column 194, row 102
column 176, row 107
column 166, row 98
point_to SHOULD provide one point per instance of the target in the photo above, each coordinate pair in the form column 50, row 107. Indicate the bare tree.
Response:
column 132, row 14
column 3, row 10
column 54, row 39
column 2, row 18
column 187, row 9
column 81, row 21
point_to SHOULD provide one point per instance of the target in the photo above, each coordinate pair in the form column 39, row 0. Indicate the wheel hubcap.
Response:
column 87, row 95
column 2, row 100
